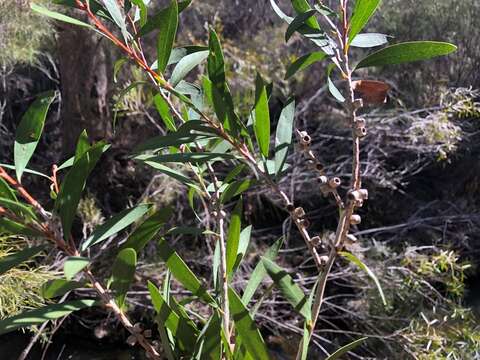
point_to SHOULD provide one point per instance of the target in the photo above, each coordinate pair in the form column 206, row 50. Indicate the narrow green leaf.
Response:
column 123, row 272
column 41, row 315
column 29, row 131
column 142, row 8
column 155, row 21
column 407, row 52
column 345, row 349
column 57, row 16
column 118, row 65
column 181, row 329
column 164, row 111
column 177, row 175
column 168, row 24
column 246, row 328
column 147, row 230
column 83, row 145
column 283, row 136
column 28, row 171
column 114, row 9
column 243, row 243
column 262, row 116
column 115, row 224
column 18, row 208
column 195, row 158
column 303, row 62
column 291, row 291
column 353, row 259
column 362, row 12
column 10, row 261
column 73, row 265
column 14, row 228
column 187, row 64
column 331, row 85
column 369, row 40
column 235, row 188
column 6, row 191
column 59, row 287
column 259, row 272
column 302, row 6
column 182, row 272
column 234, row 235
column 299, row 21
column 209, row 340
column 73, row 184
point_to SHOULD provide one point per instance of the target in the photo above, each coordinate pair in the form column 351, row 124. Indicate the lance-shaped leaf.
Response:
column 299, row 21
column 182, row 272
column 302, row 6
column 164, row 111
column 18, row 208
column 114, row 10
column 195, row 158
column 115, row 224
column 303, row 62
column 345, row 349
column 6, row 191
column 57, row 16
column 154, row 22
column 73, row 185
column 142, row 11
column 123, row 272
column 283, row 135
column 29, row 131
column 261, row 123
column 407, row 52
column 259, row 272
column 233, row 238
column 362, row 12
column 209, row 341
column 10, row 261
column 73, row 265
column 235, row 188
column 168, row 23
column 245, row 327
column 147, row 230
column 291, row 291
column 369, row 40
column 353, row 259
column 187, row 64
column 59, row 287
column 331, row 85
column 180, row 327
column 14, row 228
column 243, row 243
column 41, row 315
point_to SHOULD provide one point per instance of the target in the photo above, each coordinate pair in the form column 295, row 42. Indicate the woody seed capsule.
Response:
column 334, row 182
column 355, row 219
column 316, row 240
column 361, row 131
column 351, row 239
column 131, row 340
column 322, row 180
column 299, row 213
column 323, row 259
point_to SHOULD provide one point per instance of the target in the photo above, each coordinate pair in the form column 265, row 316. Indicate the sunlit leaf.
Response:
column 187, row 64
column 73, row 265
column 369, row 40
column 115, row 224
column 57, row 16
column 283, row 135
column 303, row 62
column 298, row 22
column 233, row 238
column 41, row 315
column 345, row 349
column 168, row 24
column 407, row 52
column 59, row 287
column 362, row 12
column 291, row 291
column 262, row 116
column 29, row 131
column 352, row 258
column 331, row 85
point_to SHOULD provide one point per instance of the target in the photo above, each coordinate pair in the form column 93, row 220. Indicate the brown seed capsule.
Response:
column 305, row 139
column 305, row 223
column 323, row 180
column 363, row 194
column 351, row 239
column 360, row 122
column 147, row 333
column 137, row 328
column 131, row 340
column 361, row 131
column 334, row 182
column 323, row 259
column 355, row 219
column 290, row 207
column 319, row 167
column 316, row 240
column 358, row 103
column 299, row 213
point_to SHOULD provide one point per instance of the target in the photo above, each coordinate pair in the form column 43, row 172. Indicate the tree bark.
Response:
column 84, row 65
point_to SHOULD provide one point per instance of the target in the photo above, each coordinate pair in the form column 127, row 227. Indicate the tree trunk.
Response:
column 84, row 65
